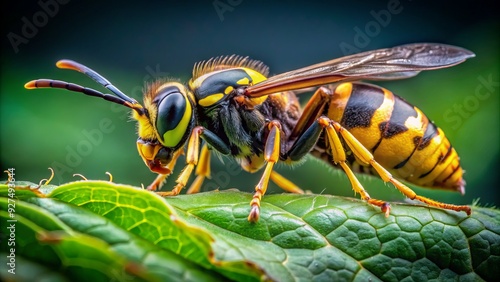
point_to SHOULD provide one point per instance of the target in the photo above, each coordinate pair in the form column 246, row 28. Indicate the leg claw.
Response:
column 386, row 209
column 254, row 214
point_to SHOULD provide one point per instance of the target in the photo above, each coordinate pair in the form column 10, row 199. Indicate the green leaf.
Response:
column 333, row 238
column 28, row 271
column 207, row 236
column 150, row 217
column 40, row 236
column 162, row 264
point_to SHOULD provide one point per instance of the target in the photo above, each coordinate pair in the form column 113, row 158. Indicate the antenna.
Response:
column 120, row 97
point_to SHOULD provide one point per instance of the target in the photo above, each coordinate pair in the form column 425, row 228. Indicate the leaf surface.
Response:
column 206, row 236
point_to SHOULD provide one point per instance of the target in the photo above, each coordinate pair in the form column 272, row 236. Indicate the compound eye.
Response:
column 172, row 120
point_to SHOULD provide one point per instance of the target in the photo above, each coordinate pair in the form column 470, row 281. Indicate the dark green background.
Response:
column 131, row 42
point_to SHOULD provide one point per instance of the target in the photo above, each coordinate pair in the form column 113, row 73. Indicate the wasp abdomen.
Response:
column 400, row 137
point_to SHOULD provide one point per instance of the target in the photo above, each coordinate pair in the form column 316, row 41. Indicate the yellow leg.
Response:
column 192, row 156
column 285, row 184
column 202, row 171
column 312, row 110
column 158, row 182
column 339, row 157
column 366, row 157
column 271, row 155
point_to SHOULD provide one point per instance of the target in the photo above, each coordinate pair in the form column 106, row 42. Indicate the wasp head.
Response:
column 164, row 125
column 164, row 122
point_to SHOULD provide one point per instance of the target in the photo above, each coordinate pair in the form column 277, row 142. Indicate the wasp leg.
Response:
column 365, row 156
column 158, row 182
column 202, row 170
column 339, row 157
column 192, row 156
column 285, row 184
column 307, row 130
column 312, row 110
column 160, row 179
column 307, row 135
column 306, row 141
column 193, row 148
column 271, row 156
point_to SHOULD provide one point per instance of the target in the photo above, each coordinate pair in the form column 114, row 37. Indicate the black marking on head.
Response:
column 171, row 110
column 164, row 92
column 361, row 106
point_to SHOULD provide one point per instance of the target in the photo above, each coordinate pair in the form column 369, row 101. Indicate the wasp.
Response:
column 230, row 106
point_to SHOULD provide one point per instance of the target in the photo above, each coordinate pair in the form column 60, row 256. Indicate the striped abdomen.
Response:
column 399, row 135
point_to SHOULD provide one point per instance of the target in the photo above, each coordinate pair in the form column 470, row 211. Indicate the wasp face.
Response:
column 155, row 156
column 165, row 124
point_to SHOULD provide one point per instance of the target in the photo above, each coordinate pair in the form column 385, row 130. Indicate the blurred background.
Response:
column 133, row 42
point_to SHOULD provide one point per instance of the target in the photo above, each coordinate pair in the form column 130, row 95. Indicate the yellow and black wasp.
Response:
column 231, row 104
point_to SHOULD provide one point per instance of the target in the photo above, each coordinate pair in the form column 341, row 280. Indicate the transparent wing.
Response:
column 384, row 64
